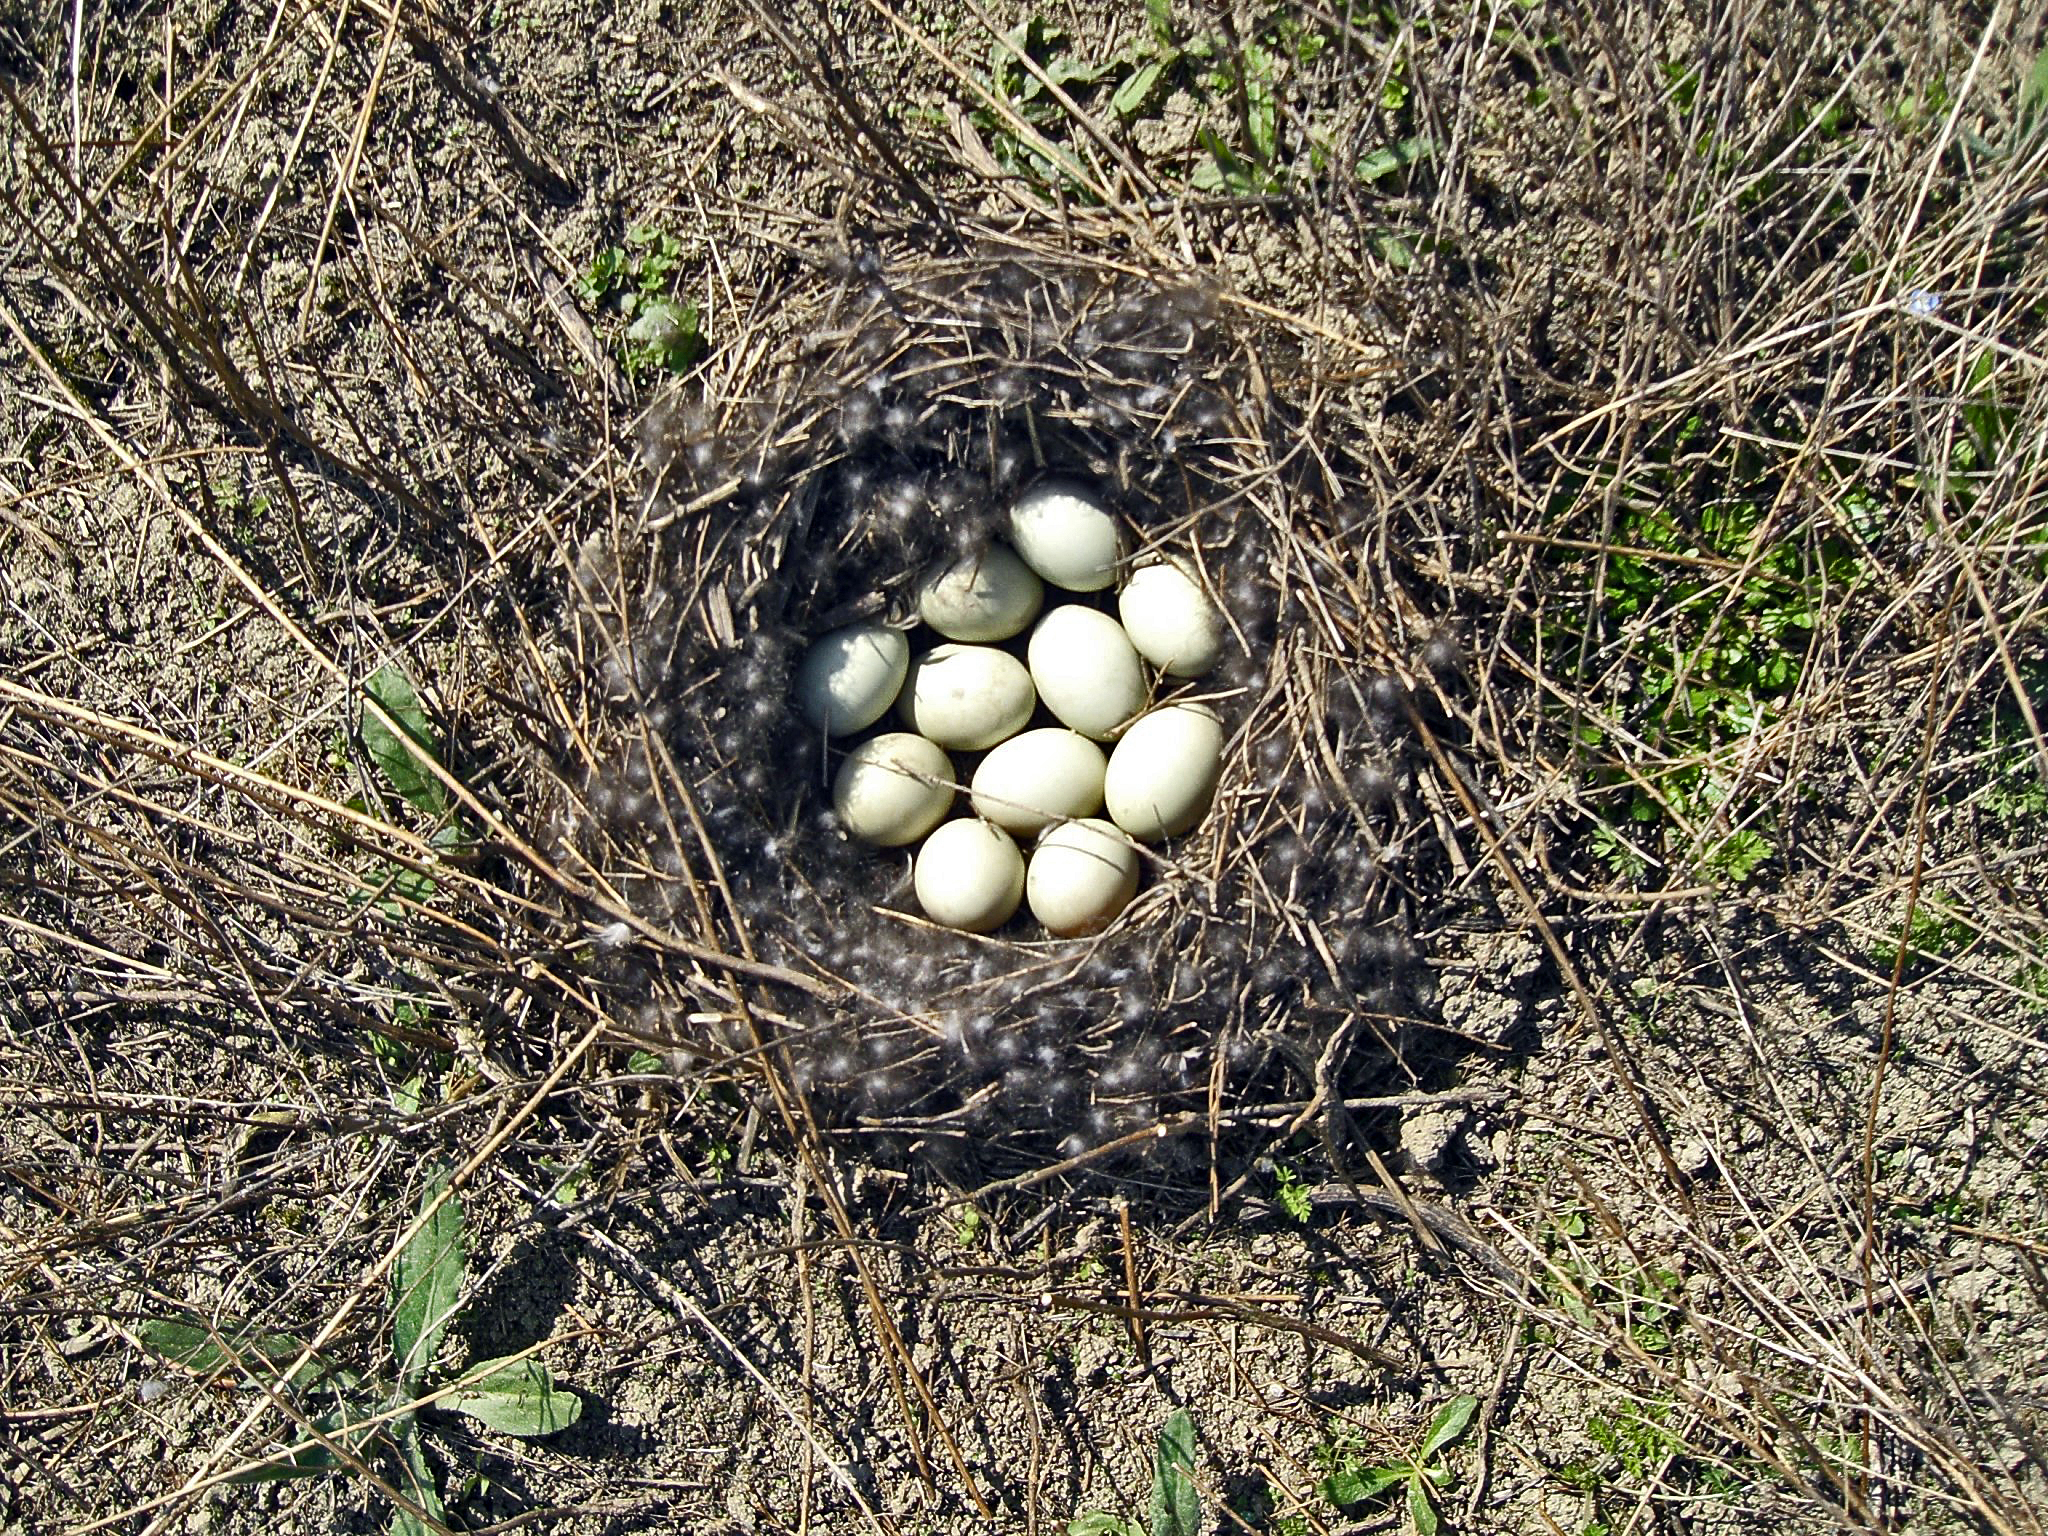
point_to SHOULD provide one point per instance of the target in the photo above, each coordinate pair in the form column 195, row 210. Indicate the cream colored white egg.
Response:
column 989, row 596
column 1171, row 620
column 849, row 678
column 893, row 789
column 1040, row 777
column 1086, row 670
column 1081, row 875
column 967, row 697
column 1163, row 772
column 1066, row 535
column 969, row 875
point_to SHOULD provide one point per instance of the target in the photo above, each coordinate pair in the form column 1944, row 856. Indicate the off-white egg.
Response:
column 1065, row 534
column 849, row 678
column 969, row 875
column 989, row 596
column 893, row 789
column 1086, row 670
column 1163, row 773
column 966, row 697
column 1082, row 873
column 1040, row 777
column 1171, row 620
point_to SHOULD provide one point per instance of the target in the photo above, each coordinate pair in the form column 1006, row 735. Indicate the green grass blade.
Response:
column 428, row 1284
column 418, row 1485
column 1448, row 1424
column 517, row 1398
column 1176, row 1507
column 206, row 1350
column 1421, row 1513
column 2033, row 104
column 403, row 758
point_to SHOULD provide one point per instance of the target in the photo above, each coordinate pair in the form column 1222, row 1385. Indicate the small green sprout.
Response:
column 1292, row 1193
column 1353, row 1481
column 637, row 281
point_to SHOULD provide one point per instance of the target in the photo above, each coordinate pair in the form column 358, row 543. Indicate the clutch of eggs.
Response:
column 1106, row 772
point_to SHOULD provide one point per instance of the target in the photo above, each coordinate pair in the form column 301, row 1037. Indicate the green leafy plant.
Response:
column 1251, row 166
column 361, row 1417
column 637, row 281
column 401, row 752
column 1708, row 603
column 1641, row 1445
column 1391, row 159
column 1987, row 416
column 1235, row 81
column 1023, row 94
column 1291, row 1192
column 1175, row 1506
column 2015, row 791
column 1352, row 1479
column 1148, row 66
column 1936, row 933
column 1640, row 1299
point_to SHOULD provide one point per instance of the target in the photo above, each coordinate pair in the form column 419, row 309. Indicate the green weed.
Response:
column 1639, row 1446
column 358, row 1417
column 1986, row 417
column 1235, row 82
column 2032, row 115
column 2014, row 790
column 1351, row 1477
column 1291, row 1192
column 637, row 281
column 1638, row 1299
column 1935, row 934
column 402, row 752
column 1024, row 94
column 1149, row 65
column 245, row 512
column 1710, row 603
column 1175, row 1506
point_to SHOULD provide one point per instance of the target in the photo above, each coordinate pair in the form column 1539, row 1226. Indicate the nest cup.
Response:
column 892, row 435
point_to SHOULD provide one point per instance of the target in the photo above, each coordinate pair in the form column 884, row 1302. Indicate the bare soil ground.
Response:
column 1651, row 400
